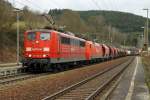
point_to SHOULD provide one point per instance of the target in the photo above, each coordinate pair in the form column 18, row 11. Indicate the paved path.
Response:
column 132, row 85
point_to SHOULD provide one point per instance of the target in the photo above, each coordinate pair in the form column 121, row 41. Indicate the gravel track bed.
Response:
column 38, row 88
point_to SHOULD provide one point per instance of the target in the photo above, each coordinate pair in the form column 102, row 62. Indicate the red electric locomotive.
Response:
column 94, row 52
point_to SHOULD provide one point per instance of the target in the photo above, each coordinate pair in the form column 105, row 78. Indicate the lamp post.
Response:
column 17, row 18
column 146, row 33
column 143, row 37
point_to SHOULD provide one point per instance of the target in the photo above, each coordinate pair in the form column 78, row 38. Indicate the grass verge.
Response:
column 146, row 63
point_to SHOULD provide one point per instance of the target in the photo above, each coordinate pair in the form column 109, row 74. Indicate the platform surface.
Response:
column 10, row 67
column 132, row 86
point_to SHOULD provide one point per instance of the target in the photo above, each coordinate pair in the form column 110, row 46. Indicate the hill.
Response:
column 125, row 22
column 103, row 26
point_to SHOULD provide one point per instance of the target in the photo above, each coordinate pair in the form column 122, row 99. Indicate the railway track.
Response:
column 14, row 78
column 89, row 88
column 11, row 75
column 8, row 72
column 19, row 77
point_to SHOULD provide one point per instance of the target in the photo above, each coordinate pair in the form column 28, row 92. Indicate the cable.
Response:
column 21, row 3
column 35, row 5
column 48, row 17
column 106, row 5
column 57, row 4
column 103, row 12
column 18, row 2
column 111, row 5
column 97, row 4
column 91, row 2
column 116, row 5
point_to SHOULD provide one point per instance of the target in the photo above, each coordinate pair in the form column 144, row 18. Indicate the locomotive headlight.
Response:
column 44, row 55
column 30, row 55
column 45, row 49
column 28, row 49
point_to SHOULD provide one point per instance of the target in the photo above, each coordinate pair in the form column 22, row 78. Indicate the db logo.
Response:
column 37, row 49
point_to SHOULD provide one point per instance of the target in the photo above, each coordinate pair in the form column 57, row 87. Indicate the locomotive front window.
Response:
column 31, row 36
column 45, row 36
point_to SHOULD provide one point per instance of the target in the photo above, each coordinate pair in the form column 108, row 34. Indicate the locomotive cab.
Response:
column 37, row 47
column 37, row 44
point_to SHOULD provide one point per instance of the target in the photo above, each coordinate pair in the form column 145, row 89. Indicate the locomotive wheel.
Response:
column 60, row 67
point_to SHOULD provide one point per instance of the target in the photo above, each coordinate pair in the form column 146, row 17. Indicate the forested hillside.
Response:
column 125, row 22
column 104, row 26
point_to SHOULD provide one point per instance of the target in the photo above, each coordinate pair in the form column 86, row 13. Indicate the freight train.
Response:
column 49, row 50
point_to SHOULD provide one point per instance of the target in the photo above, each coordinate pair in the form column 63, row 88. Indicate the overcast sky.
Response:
column 132, row 6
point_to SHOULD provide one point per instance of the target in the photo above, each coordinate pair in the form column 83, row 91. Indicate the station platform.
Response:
column 9, row 65
column 132, row 85
column 10, row 70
